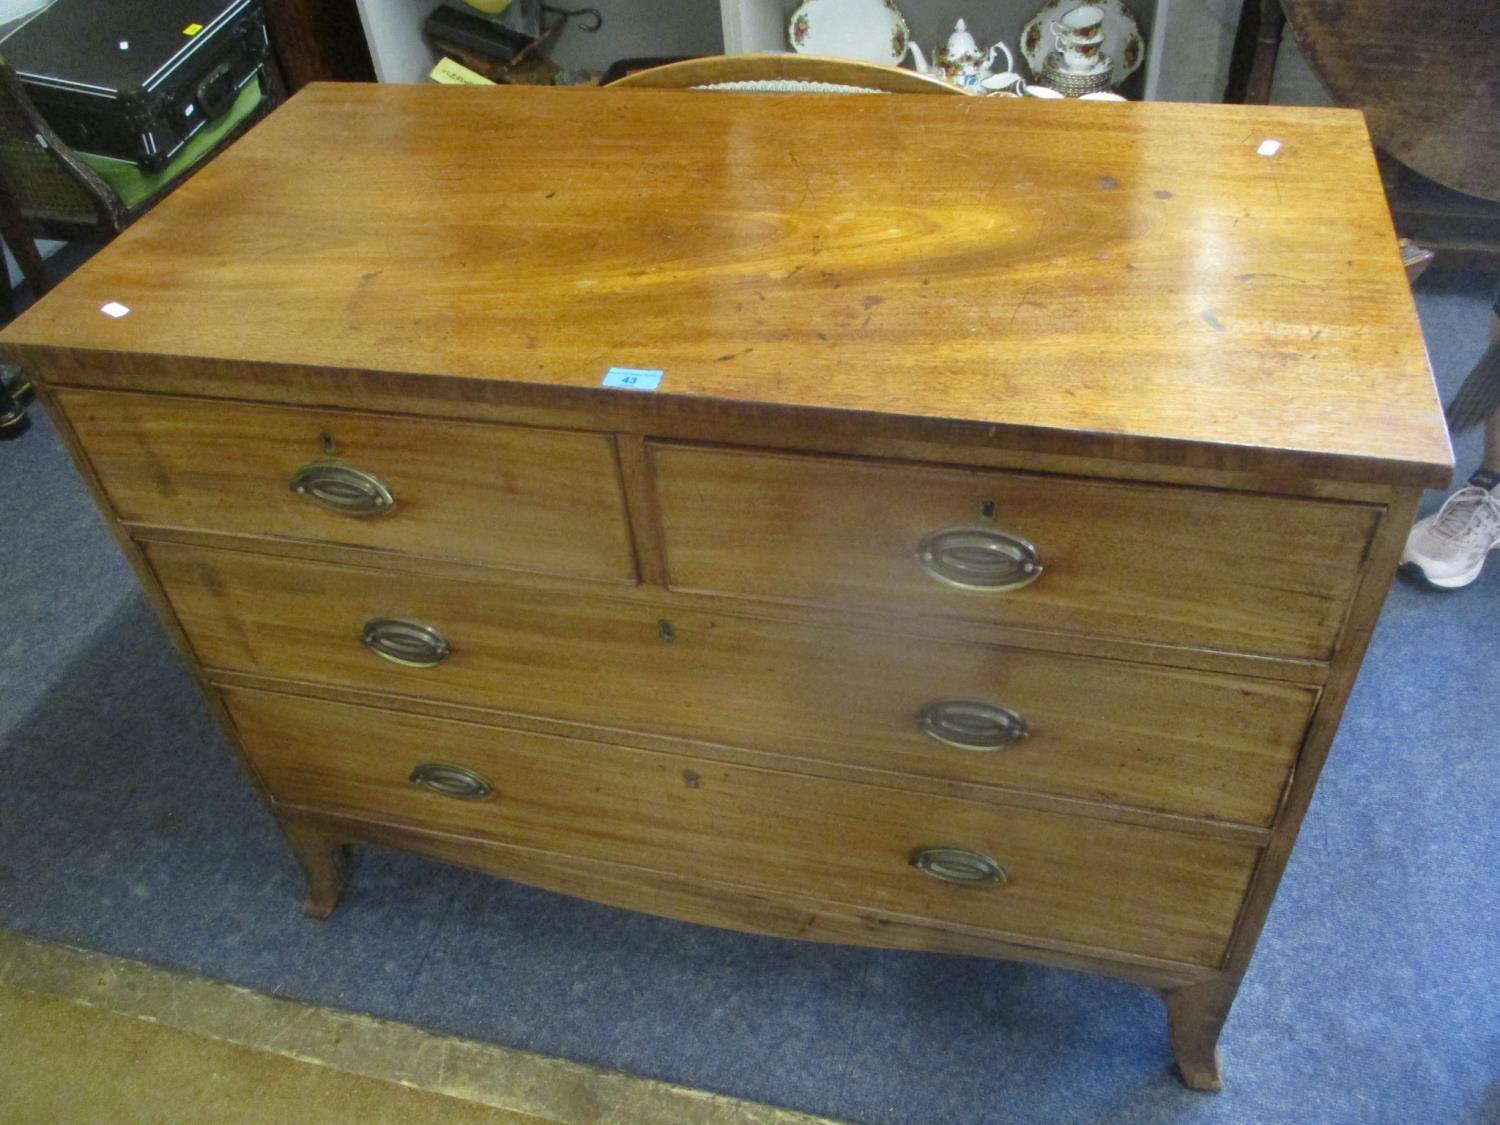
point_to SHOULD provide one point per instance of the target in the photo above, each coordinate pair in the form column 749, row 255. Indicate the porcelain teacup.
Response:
column 1082, row 25
column 1080, row 57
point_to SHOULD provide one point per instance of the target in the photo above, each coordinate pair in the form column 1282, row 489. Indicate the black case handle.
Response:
column 215, row 94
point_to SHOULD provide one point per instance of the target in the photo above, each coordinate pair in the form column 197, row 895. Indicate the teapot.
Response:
column 961, row 61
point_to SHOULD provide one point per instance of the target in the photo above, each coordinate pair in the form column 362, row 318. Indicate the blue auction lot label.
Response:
column 632, row 378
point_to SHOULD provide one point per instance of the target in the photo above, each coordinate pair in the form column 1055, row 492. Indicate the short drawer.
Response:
column 1055, row 878
column 502, row 495
column 1200, row 744
column 1221, row 570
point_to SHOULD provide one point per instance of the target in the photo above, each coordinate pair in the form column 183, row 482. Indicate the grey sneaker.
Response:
column 1449, row 548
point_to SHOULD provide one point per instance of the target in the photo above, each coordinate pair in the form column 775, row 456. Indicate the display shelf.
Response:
column 631, row 29
column 636, row 28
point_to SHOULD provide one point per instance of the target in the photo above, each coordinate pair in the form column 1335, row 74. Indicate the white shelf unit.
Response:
column 760, row 25
column 393, row 29
column 637, row 28
column 631, row 29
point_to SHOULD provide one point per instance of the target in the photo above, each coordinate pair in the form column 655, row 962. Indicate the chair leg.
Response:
column 275, row 88
column 1252, row 64
column 17, row 234
column 13, row 230
column 1267, row 44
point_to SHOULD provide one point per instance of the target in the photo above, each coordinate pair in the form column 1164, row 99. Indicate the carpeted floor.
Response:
column 1375, row 997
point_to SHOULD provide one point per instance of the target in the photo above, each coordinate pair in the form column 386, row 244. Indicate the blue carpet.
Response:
column 125, row 827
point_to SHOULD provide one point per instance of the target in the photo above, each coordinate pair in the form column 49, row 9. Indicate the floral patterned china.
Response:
column 1122, row 40
column 870, row 30
column 962, row 62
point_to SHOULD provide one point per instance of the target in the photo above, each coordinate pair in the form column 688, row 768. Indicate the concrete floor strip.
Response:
column 514, row 1081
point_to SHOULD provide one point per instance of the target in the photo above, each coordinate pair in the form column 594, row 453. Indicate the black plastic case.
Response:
column 134, row 79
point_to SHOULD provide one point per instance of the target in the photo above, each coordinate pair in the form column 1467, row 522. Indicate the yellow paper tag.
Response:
column 192, row 29
column 451, row 73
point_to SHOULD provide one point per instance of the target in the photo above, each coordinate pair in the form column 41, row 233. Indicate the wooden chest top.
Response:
column 1138, row 279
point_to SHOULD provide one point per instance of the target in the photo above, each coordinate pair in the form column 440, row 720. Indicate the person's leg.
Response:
column 1488, row 474
column 1492, row 440
column 1492, row 423
column 1448, row 548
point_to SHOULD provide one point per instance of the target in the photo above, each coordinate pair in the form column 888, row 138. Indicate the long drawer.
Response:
column 1223, row 570
column 1065, row 879
column 1195, row 743
column 540, row 500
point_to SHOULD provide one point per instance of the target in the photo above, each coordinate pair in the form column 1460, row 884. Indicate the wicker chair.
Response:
column 812, row 74
column 47, row 190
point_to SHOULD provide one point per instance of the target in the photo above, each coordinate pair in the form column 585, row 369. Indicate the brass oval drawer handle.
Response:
column 343, row 488
column 452, row 781
column 408, row 643
column 972, row 724
column 959, row 865
column 980, row 559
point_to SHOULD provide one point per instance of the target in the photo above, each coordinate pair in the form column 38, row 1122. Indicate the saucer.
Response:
column 1074, row 83
column 1105, row 64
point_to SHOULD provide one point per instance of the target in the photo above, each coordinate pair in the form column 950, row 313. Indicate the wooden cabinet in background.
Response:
column 318, row 41
column 986, row 574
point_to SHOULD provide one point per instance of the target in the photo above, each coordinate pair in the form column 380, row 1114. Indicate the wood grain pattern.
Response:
column 781, row 913
column 1182, row 742
column 1196, row 1015
column 1191, row 373
column 1426, row 74
column 1090, row 882
column 321, row 860
column 319, row 41
column 882, row 619
column 534, row 499
column 1375, row 583
column 752, row 424
column 1216, row 570
column 808, row 252
column 834, row 770
column 640, row 500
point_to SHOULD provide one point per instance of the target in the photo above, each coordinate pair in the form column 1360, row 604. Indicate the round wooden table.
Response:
column 1426, row 73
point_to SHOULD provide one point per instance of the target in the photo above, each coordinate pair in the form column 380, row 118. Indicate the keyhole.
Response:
column 987, row 510
column 330, row 446
column 667, row 631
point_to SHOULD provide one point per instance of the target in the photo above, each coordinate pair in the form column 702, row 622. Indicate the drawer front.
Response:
column 506, row 496
column 1187, row 742
column 1172, row 565
column 1067, row 879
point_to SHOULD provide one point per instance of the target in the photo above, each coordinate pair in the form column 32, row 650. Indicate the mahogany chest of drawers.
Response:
column 730, row 507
